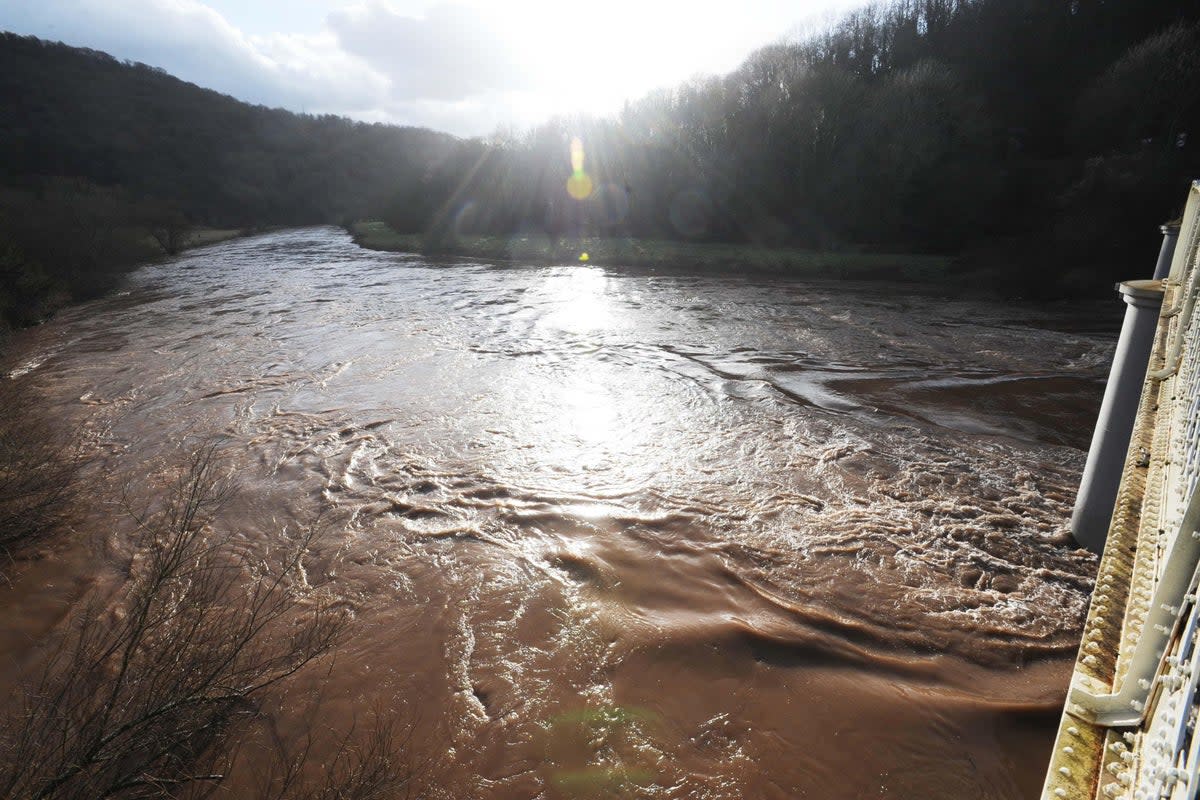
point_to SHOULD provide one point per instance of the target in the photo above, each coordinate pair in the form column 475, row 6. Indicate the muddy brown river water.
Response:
column 651, row 535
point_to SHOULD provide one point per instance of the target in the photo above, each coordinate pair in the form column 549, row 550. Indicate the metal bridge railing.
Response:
column 1129, row 726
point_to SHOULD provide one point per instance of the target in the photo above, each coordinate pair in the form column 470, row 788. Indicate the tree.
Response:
column 38, row 471
column 148, row 701
column 922, row 162
column 169, row 227
column 1151, row 94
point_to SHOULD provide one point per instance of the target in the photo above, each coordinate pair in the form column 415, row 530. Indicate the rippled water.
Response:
column 720, row 536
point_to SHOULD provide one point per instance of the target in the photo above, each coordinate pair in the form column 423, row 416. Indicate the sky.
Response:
column 469, row 67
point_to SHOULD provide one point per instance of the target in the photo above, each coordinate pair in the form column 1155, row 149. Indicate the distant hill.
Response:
column 66, row 111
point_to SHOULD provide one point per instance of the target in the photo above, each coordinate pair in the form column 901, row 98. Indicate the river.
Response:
column 718, row 536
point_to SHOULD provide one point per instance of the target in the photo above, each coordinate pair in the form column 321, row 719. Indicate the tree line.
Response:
column 72, row 112
column 1030, row 137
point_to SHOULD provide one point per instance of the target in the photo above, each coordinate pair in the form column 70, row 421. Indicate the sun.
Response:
column 591, row 58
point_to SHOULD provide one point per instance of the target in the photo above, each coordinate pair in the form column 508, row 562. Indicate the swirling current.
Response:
column 717, row 536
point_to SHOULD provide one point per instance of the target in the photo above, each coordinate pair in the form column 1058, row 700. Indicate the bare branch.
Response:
column 145, row 701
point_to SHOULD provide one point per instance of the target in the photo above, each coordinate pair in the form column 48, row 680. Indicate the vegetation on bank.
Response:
column 65, row 240
column 39, row 467
column 661, row 254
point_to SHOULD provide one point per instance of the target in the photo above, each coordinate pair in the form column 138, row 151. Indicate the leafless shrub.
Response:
column 377, row 766
column 38, row 467
column 146, row 698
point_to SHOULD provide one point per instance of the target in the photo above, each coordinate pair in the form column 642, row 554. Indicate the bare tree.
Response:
column 146, row 699
column 169, row 228
column 38, row 468
column 377, row 766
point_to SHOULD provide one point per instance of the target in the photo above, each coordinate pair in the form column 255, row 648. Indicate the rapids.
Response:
column 662, row 535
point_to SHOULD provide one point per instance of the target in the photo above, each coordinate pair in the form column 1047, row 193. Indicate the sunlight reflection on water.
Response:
column 581, row 295
column 588, row 412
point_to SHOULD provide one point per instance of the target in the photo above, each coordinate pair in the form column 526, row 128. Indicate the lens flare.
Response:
column 577, row 155
column 579, row 185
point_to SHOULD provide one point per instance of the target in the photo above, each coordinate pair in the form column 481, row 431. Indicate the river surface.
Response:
column 651, row 535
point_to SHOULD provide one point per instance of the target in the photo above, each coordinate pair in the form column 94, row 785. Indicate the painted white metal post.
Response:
column 1170, row 233
column 1106, row 458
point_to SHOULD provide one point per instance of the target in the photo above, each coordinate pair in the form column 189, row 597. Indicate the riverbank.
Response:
column 31, row 290
column 669, row 255
column 205, row 236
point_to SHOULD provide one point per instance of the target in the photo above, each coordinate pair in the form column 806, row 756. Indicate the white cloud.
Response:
column 450, row 54
column 195, row 43
column 317, row 69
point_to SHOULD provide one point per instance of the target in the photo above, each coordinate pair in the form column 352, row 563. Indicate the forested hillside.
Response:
column 83, row 114
column 1025, row 135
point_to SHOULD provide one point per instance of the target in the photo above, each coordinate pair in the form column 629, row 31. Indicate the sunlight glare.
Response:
column 589, row 412
column 580, row 295
column 590, row 59
column 579, row 185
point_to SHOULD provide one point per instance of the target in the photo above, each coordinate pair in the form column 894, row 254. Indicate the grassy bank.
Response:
column 202, row 236
column 658, row 254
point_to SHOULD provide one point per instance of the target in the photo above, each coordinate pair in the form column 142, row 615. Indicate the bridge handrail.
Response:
column 1129, row 727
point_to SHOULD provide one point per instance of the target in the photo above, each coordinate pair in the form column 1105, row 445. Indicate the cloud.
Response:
column 315, row 68
column 195, row 43
column 450, row 54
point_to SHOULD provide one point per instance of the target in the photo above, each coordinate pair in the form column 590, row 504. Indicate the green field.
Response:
column 650, row 253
